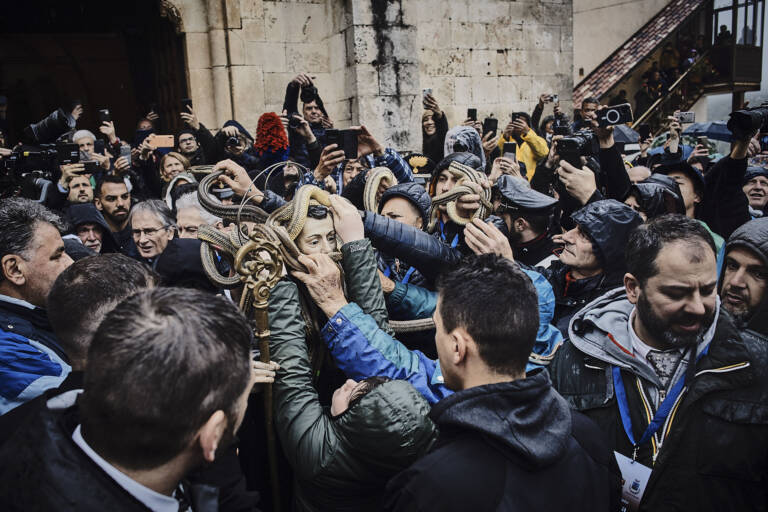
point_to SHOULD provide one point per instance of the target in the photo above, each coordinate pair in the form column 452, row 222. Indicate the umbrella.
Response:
column 687, row 150
column 716, row 130
column 623, row 133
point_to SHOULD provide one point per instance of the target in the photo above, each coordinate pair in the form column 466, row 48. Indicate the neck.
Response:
column 528, row 235
column 115, row 227
column 645, row 336
column 488, row 377
column 690, row 211
column 163, row 479
column 583, row 273
column 9, row 290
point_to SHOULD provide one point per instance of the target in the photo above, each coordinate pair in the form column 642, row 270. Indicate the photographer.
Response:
column 196, row 142
column 531, row 148
column 313, row 111
column 434, row 127
column 236, row 143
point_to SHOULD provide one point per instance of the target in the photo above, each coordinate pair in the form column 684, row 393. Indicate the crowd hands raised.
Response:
column 565, row 294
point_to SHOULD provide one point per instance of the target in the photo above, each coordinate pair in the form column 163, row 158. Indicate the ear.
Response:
column 520, row 225
column 171, row 233
column 460, row 340
column 97, row 204
column 210, row 434
column 696, row 198
column 632, row 287
column 13, row 267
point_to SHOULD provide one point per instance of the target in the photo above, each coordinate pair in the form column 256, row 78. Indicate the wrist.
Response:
column 378, row 151
column 332, row 306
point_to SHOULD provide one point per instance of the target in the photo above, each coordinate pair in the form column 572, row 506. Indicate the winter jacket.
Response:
column 608, row 224
column 432, row 145
column 512, row 446
column 343, row 462
column 724, row 207
column 534, row 252
column 530, row 151
column 754, row 236
column 124, row 239
column 79, row 214
column 714, row 455
column 361, row 349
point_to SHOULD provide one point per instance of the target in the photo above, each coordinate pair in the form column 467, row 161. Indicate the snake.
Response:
column 376, row 177
column 464, row 175
column 230, row 212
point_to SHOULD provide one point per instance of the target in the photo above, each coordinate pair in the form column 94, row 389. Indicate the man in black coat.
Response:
column 88, row 224
column 665, row 373
column 507, row 440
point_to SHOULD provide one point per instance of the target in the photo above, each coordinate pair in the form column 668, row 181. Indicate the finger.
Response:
column 301, row 276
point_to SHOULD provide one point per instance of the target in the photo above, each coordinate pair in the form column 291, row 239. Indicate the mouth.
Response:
column 735, row 300
column 689, row 328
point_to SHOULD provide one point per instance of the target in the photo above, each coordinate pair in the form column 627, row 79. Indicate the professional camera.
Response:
column 744, row 122
column 232, row 142
column 308, row 94
column 29, row 171
column 293, row 121
column 573, row 147
column 561, row 126
column 50, row 128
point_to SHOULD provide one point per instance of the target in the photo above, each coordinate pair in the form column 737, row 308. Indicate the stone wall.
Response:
column 371, row 58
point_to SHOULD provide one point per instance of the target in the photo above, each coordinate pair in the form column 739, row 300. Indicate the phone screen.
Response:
column 472, row 114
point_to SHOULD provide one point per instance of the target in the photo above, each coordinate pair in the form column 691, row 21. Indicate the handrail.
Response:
column 670, row 90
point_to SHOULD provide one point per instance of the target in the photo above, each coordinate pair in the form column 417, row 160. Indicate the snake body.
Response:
column 233, row 213
column 375, row 178
column 464, row 175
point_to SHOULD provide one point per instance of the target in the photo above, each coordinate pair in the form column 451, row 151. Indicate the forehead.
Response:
column 186, row 136
column 745, row 256
column 397, row 204
column 84, row 140
column 314, row 227
column 189, row 216
column 758, row 179
column 311, row 104
column 685, row 264
column 171, row 160
column 143, row 218
column 680, row 177
column 88, row 225
column 113, row 189
column 79, row 181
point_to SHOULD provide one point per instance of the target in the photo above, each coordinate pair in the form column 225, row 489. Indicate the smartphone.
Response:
column 702, row 141
column 186, row 104
column 425, row 92
column 104, row 116
column 510, row 151
column 332, row 137
column 349, row 143
column 490, row 125
column 98, row 146
column 472, row 114
column 686, row 117
column 555, row 98
column 91, row 167
column 125, row 150
column 614, row 115
column 644, row 129
column 163, row 141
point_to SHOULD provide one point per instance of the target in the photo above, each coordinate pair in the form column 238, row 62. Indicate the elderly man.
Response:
column 756, row 189
column 152, row 227
column 190, row 215
column 31, row 258
column 88, row 224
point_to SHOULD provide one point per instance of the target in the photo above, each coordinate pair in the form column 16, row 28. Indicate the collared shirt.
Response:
column 18, row 302
column 152, row 499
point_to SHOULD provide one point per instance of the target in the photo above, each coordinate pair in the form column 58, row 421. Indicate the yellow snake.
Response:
column 375, row 178
column 464, row 174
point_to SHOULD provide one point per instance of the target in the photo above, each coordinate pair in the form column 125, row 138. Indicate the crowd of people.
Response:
column 508, row 319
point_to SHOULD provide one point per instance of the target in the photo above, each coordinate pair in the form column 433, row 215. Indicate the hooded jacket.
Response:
column 510, row 446
column 713, row 456
column 340, row 463
column 754, row 236
column 79, row 214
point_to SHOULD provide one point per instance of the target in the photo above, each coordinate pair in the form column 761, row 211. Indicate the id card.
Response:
column 634, row 478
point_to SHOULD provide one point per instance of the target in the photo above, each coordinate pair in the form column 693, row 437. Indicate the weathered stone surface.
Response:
column 309, row 56
column 198, row 51
column 248, row 90
column 268, row 56
column 253, row 29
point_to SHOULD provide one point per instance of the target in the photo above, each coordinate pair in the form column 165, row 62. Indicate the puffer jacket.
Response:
column 340, row 463
column 715, row 454
column 754, row 236
column 511, row 446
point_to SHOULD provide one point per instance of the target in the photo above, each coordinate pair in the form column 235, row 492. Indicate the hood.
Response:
column 182, row 176
column 656, row 199
column 754, row 236
column 468, row 159
column 75, row 248
column 389, row 427
column 464, row 139
column 414, row 193
column 525, row 416
column 608, row 223
column 239, row 127
column 78, row 214
column 180, row 265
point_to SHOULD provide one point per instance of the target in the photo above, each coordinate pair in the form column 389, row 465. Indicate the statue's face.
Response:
column 318, row 236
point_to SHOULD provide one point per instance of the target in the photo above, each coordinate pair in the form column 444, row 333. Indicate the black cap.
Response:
column 754, row 172
column 518, row 196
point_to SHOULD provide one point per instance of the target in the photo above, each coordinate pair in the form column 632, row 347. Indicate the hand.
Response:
column 69, row 171
column 330, row 184
column 580, row 183
column 484, row 238
column 556, row 109
column 544, row 98
column 520, row 126
column 700, row 150
column 430, row 103
column 645, row 145
column 122, row 165
column 553, row 158
column 108, row 129
column 302, row 80
column 153, row 116
column 490, row 143
column 102, row 159
column 346, row 220
column 230, row 131
column 190, row 118
column 236, row 178
column 504, row 166
column 284, row 120
column 754, row 147
column 146, row 146
column 77, row 112
column 366, row 144
column 5, row 152
column 509, row 130
column 326, row 122
column 323, row 281
column 329, row 159
column 304, row 129
column 264, row 373
column 387, row 285
column 467, row 204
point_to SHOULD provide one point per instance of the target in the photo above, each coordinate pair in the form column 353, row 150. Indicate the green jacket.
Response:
column 340, row 463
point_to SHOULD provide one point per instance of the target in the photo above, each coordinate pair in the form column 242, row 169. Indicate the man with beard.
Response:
column 167, row 383
column 745, row 276
column 663, row 370
column 113, row 200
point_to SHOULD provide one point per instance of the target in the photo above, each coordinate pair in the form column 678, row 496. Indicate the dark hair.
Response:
column 363, row 388
column 18, row 222
column 589, row 99
column 524, row 115
column 538, row 223
column 317, row 211
column 648, row 239
column 161, row 362
column 181, row 190
column 496, row 303
column 108, row 178
column 86, row 291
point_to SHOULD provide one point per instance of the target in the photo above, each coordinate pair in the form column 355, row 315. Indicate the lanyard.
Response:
column 661, row 414
column 388, row 271
column 455, row 240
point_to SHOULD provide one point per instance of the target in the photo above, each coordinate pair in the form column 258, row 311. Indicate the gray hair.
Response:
column 190, row 200
column 157, row 208
column 80, row 134
column 18, row 221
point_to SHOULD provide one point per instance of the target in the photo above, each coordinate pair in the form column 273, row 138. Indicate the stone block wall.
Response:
column 370, row 59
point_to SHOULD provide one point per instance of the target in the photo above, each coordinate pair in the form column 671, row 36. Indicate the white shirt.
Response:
column 18, row 302
column 152, row 499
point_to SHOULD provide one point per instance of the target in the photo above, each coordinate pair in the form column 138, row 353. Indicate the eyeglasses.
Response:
column 147, row 231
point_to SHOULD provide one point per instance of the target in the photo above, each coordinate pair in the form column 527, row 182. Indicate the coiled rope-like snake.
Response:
column 464, row 175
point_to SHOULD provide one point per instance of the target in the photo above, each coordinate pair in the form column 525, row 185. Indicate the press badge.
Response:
column 634, row 478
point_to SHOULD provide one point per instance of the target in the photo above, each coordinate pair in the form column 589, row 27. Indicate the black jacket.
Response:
column 532, row 252
column 724, row 206
column 715, row 456
column 79, row 214
column 510, row 446
column 434, row 146
column 124, row 239
column 754, row 236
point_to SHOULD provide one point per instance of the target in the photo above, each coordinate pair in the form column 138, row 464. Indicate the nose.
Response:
column 327, row 248
column 568, row 236
column 695, row 306
column 737, row 280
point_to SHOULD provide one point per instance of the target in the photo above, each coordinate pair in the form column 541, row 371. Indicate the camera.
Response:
column 233, row 142
column 611, row 116
column 293, row 122
column 50, row 128
column 582, row 143
column 308, row 94
column 29, row 170
column 561, row 126
column 744, row 122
